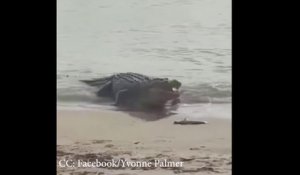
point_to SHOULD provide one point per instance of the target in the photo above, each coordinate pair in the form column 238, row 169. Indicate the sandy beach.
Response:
column 89, row 135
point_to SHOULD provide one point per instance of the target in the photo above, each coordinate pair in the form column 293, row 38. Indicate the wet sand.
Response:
column 90, row 135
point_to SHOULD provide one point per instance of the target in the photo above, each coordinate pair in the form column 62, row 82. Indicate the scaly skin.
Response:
column 132, row 89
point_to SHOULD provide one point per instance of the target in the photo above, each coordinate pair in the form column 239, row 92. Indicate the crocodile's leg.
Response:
column 120, row 96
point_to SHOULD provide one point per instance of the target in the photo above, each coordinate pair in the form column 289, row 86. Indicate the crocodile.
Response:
column 137, row 90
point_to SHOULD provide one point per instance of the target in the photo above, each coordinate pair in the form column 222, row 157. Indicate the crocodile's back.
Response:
column 129, row 81
column 132, row 77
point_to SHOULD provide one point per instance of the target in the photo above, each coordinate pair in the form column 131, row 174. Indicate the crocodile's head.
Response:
column 160, row 92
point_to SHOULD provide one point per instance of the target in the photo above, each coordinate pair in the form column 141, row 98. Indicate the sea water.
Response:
column 187, row 40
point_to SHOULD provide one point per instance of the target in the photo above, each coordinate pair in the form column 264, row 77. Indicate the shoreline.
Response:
column 192, row 111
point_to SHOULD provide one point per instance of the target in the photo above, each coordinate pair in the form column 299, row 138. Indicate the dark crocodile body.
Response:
column 134, row 89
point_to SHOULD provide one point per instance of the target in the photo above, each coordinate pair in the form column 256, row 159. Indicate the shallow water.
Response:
column 187, row 40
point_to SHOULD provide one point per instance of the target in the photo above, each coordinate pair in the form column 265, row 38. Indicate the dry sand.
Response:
column 113, row 136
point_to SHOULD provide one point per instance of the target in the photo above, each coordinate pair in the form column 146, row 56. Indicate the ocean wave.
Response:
column 202, row 93
column 206, row 93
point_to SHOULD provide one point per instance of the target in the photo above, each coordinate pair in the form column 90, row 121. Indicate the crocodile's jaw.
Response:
column 175, row 84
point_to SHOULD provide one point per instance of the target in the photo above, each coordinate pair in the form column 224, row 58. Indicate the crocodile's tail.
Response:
column 97, row 82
